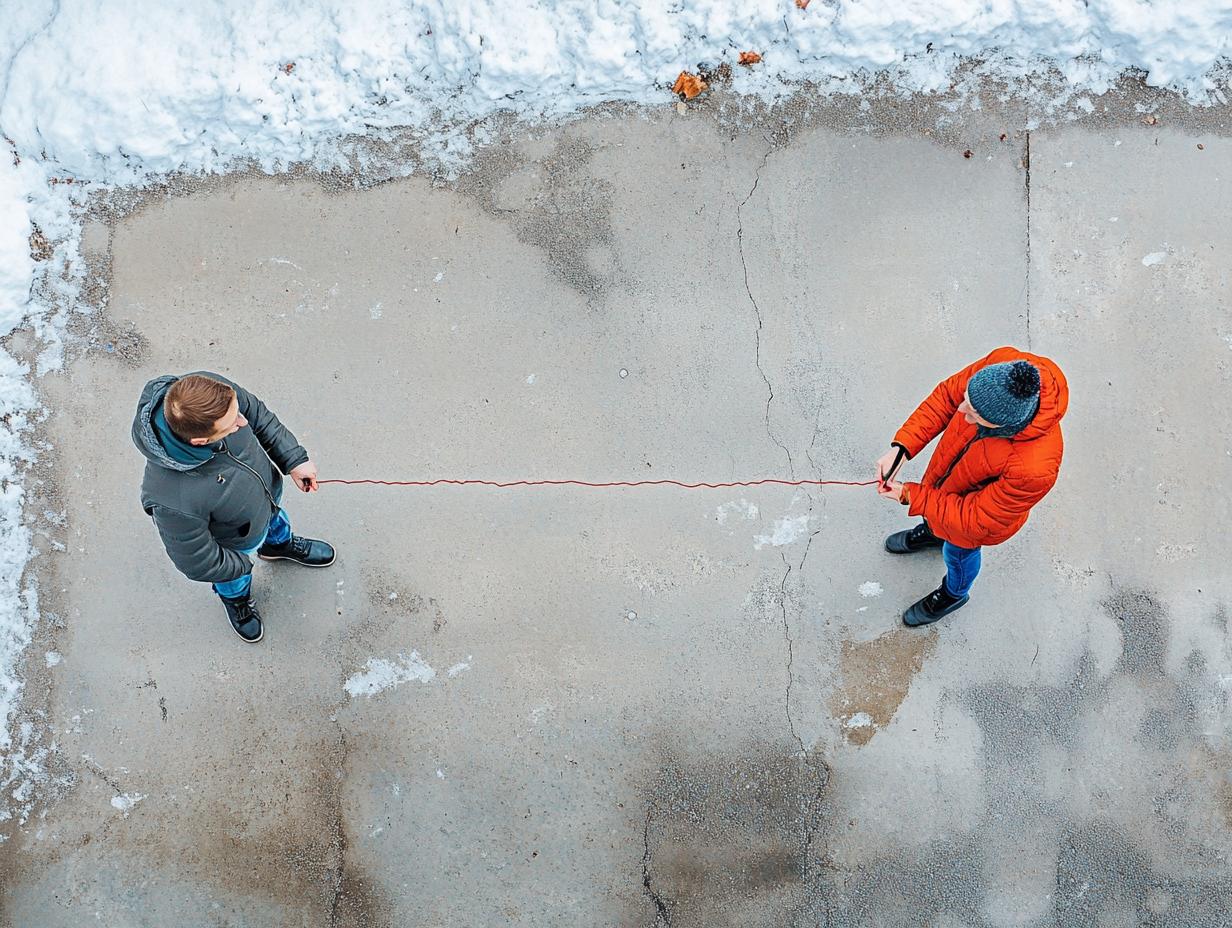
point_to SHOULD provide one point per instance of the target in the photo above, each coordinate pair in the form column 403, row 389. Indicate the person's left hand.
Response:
column 305, row 477
column 893, row 490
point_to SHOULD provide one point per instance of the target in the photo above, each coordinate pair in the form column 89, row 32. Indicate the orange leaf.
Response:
column 749, row 58
column 288, row 67
column 688, row 85
column 802, row 4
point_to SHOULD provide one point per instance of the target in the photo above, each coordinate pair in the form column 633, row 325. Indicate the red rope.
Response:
column 618, row 483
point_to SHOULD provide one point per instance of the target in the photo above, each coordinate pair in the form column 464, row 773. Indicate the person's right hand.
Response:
column 884, row 463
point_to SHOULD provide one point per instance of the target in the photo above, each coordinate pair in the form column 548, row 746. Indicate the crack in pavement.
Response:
column 811, row 822
column 791, row 468
column 337, row 872
column 663, row 915
column 791, row 725
column 1026, row 163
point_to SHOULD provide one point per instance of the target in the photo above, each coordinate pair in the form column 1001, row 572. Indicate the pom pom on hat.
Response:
column 1006, row 394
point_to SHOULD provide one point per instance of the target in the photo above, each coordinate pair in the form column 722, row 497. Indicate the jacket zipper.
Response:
column 268, row 495
column 954, row 463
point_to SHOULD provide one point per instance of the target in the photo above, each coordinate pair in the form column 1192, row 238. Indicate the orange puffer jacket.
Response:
column 978, row 492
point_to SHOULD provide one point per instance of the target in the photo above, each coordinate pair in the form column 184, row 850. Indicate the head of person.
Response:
column 201, row 410
column 1002, row 395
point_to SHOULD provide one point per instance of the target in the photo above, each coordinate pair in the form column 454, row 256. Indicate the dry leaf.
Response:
column 802, row 4
column 288, row 67
column 749, row 58
column 967, row 153
column 681, row 107
column 688, row 85
column 1201, row 147
column 40, row 248
column 1149, row 119
column 1004, row 136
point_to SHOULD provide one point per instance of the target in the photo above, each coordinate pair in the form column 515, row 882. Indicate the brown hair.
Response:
column 194, row 404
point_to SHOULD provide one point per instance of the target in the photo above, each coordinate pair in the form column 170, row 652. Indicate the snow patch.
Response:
column 125, row 801
column 859, row 720
column 380, row 674
column 52, row 658
column 747, row 511
column 1155, row 257
column 786, row 530
column 870, row 588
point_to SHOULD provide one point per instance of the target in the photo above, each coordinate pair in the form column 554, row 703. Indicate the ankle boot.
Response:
column 911, row 540
column 936, row 604
column 307, row 551
column 244, row 618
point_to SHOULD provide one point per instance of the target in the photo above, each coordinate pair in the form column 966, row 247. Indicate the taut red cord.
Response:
column 618, row 483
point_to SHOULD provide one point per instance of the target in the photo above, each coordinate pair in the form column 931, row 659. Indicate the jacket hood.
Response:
column 1054, row 398
column 144, row 435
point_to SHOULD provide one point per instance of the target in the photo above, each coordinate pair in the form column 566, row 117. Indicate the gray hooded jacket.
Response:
column 208, row 512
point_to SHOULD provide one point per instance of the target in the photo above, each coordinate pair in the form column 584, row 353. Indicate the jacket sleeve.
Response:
column 984, row 513
column 194, row 551
column 277, row 440
column 934, row 414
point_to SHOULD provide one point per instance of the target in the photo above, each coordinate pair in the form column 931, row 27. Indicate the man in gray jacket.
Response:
column 215, row 456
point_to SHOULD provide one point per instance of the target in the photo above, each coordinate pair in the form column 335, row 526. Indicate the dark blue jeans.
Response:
column 962, row 566
column 278, row 532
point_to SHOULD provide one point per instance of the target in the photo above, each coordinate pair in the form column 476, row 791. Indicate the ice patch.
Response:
column 748, row 511
column 1155, row 257
column 52, row 658
column 125, row 801
column 1170, row 554
column 381, row 674
column 375, row 311
column 859, row 720
column 459, row 667
column 870, row 588
column 786, row 530
column 530, row 378
column 440, row 275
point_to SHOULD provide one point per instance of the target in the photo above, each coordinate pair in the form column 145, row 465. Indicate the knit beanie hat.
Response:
column 1006, row 394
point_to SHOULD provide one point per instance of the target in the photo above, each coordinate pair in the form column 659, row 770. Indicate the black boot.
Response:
column 306, row 551
column 244, row 618
column 911, row 540
column 936, row 604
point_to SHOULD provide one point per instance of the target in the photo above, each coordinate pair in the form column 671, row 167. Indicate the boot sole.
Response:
column 279, row 557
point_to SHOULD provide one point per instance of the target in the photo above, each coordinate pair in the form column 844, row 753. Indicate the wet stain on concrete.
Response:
column 556, row 203
column 1089, row 857
column 1103, row 878
column 298, row 857
column 936, row 883
column 730, row 839
column 1144, row 631
column 876, row 676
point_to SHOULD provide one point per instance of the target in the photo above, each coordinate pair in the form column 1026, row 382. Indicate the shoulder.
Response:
column 1036, row 461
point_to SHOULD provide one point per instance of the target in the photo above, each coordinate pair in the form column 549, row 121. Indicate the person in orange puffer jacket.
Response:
column 1000, row 451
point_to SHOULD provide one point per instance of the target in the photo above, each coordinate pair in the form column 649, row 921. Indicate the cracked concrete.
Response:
column 660, row 716
column 791, row 469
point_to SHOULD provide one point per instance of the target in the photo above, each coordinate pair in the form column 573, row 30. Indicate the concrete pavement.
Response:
column 656, row 706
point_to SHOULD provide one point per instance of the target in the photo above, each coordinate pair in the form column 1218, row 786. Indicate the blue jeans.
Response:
column 278, row 532
column 962, row 566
